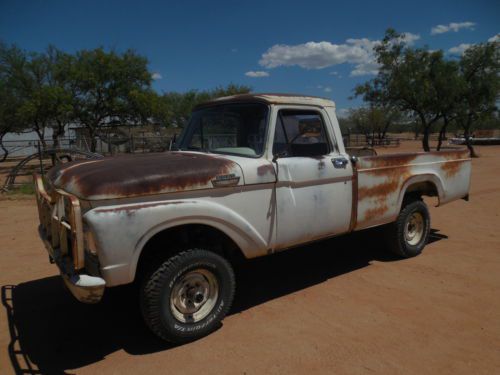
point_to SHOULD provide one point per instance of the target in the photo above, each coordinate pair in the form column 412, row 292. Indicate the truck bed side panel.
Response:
column 383, row 180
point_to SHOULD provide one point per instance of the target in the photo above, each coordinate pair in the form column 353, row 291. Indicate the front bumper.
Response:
column 85, row 288
column 61, row 233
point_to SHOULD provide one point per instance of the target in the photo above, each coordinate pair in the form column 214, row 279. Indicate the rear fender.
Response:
column 427, row 177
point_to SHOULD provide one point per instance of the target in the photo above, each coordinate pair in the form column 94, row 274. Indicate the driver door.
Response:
column 314, row 188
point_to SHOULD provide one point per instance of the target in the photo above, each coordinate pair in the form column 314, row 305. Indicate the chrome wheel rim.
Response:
column 194, row 295
column 414, row 228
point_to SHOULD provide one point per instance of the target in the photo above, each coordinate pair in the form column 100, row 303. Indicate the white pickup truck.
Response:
column 251, row 175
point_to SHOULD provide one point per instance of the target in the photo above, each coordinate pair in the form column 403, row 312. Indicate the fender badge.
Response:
column 226, row 180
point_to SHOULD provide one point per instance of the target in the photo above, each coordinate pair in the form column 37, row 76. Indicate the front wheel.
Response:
column 408, row 235
column 186, row 297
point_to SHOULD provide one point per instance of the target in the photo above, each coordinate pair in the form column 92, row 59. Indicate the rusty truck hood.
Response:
column 146, row 174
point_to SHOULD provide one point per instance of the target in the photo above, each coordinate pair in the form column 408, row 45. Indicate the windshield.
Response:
column 237, row 129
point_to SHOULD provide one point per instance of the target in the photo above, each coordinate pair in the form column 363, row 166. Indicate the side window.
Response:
column 300, row 133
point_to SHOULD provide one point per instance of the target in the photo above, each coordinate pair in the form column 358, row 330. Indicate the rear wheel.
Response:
column 408, row 235
column 186, row 296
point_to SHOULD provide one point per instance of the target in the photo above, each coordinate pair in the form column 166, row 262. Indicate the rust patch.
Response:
column 373, row 213
column 378, row 194
column 380, row 190
column 133, row 175
column 451, row 168
column 391, row 160
column 393, row 171
column 132, row 208
column 354, row 203
column 461, row 153
column 265, row 169
column 394, row 178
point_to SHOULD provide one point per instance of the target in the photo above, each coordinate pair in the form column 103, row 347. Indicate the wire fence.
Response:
column 362, row 140
column 105, row 146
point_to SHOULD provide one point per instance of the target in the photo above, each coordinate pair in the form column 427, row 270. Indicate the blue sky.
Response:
column 311, row 47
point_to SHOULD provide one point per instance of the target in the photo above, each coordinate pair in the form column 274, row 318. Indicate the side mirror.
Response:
column 354, row 159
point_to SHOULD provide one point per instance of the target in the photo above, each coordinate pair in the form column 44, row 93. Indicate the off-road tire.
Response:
column 395, row 237
column 158, row 285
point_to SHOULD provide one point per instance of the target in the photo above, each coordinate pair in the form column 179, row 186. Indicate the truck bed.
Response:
column 380, row 182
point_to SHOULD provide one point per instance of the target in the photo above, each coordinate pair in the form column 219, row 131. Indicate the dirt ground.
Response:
column 342, row 306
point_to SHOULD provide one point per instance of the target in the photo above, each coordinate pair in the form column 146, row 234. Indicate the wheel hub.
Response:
column 414, row 228
column 194, row 295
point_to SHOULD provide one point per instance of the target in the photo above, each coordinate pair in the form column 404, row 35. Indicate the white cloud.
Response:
column 369, row 67
column 313, row 55
column 410, row 38
column 342, row 112
column 460, row 49
column 156, row 76
column 494, row 38
column 453, row 26
column 257, row 74
column 319, row 55
column 324, row 88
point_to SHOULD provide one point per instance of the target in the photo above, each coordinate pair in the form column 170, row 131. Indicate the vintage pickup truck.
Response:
column 251, row 175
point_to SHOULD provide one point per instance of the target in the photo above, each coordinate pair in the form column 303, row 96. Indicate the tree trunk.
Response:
column 425, row 139
column 384, row 130
column 468, row 140
column 55, row 138
column 56, row 133
column 40, row 131
column 442, row 133
column 426, row 127
column 93, row 140
column 5, row 151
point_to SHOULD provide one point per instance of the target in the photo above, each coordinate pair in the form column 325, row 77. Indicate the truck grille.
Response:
column 60, row 222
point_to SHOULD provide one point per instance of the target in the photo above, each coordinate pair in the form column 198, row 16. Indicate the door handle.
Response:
column 340, row 162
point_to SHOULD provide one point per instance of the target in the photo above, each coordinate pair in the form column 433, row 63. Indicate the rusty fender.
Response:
column 384, row 180
column 125, row 229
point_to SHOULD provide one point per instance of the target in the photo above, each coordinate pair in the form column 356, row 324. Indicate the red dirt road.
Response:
column 342, row 306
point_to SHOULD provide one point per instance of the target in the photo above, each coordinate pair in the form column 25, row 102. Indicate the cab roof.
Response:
column 296, row 99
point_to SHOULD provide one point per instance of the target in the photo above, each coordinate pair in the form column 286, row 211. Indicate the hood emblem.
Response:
column 226, row 180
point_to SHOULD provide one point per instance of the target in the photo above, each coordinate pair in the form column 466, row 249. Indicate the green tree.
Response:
column 9, row 121
column 60, row 92
column 106, row 87
column 480, row 87
column 449, row 87
column 374, row 122
column 405, row 81
column 12, row 61
column 148, row 107
column 35, row 81
column 180, row 105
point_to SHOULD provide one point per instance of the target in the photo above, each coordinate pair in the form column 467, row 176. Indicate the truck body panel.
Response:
column 383, row 180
